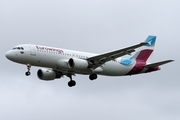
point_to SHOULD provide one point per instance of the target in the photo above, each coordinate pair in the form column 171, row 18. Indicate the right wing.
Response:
column 98, row 60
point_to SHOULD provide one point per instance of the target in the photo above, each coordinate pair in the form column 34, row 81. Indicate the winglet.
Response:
column 144, row 43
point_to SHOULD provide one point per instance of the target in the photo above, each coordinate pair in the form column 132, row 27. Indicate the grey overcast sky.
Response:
column 95, row 26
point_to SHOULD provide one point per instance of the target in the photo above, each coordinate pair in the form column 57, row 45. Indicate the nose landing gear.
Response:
column 28, row 67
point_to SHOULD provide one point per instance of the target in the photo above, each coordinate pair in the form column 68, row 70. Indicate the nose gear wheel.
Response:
column 28, row 67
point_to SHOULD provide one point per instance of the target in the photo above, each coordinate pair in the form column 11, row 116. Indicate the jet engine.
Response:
column 47, row 74
column 78, row 64
column 62, row 63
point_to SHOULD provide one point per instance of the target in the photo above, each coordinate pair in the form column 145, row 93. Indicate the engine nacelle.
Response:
column 62, row 63
column 46, row 74
column 78, row 64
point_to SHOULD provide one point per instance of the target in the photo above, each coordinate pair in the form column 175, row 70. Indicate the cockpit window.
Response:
column 18, row 48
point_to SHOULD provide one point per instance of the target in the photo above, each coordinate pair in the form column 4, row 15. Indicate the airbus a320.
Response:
column 58, row 62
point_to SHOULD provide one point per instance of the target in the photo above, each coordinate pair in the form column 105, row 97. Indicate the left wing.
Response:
column 98, row 60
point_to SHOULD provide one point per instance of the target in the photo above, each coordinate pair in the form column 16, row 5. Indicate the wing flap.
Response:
column 158, row 63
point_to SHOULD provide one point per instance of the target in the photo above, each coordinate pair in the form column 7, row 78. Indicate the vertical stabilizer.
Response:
column 145, row 53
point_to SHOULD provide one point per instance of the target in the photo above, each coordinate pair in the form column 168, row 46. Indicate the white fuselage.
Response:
column 49, row 57
column 62, row 62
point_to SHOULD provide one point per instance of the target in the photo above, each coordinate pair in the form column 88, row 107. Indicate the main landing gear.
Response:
column 28, row 67
column 93, row 76
column 71, row 83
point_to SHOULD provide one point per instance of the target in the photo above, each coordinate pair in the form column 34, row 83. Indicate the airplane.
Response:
column 58, row 62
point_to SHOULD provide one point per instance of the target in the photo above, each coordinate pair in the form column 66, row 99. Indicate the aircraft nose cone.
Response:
column 8, row 55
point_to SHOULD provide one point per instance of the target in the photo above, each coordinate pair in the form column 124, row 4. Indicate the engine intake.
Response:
column 78, row 64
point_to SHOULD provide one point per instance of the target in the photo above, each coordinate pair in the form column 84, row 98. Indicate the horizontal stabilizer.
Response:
column 158, row 63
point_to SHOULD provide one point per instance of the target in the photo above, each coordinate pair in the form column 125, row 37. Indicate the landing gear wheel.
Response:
column 71, row 83
column 28, row 67
column 27, row 73
column 93, row 76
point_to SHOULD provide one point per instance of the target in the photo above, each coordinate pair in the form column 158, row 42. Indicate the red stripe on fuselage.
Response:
column 140, row 62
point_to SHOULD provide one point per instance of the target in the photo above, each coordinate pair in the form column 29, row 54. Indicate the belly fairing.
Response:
column 115, row 69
